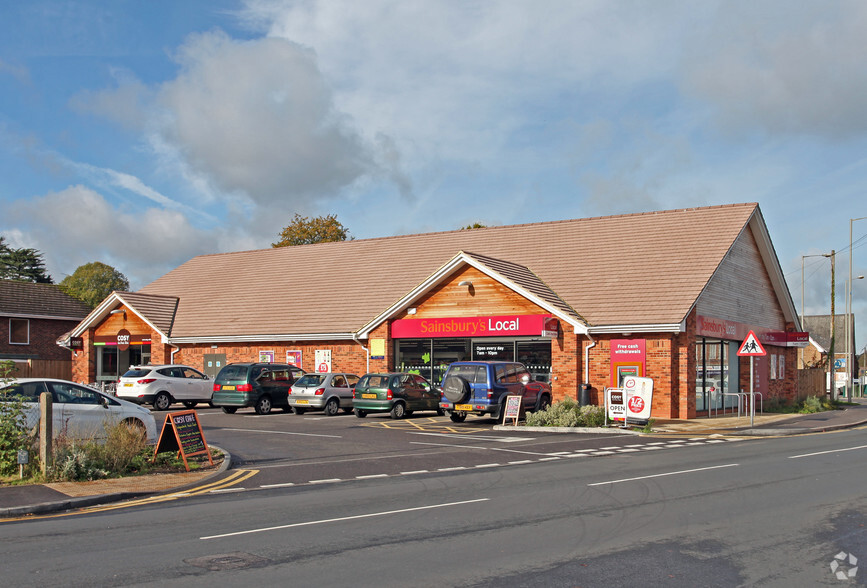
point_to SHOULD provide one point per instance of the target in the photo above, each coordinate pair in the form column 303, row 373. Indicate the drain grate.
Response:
column 228, row 561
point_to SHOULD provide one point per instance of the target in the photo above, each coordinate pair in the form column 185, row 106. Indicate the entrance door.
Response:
column 213, row 363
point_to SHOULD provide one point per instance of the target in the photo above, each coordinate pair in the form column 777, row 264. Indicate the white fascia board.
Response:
column 660, row 328
column 42, row 316
column 461, row 259
column 97, row 314
column 815, row 344
column 263, row 338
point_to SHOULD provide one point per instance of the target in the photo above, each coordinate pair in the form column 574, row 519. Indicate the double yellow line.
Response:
column 232, row 479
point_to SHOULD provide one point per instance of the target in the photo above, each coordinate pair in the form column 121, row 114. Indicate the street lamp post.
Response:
column 849, row 310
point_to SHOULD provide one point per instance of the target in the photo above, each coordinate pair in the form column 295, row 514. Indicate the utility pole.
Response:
column 831, row 357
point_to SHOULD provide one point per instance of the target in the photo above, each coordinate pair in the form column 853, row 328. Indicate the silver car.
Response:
column 78, row 412
column 326, row 391
column 161, row 385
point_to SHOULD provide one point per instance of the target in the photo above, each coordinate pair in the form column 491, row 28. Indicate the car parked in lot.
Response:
column 323, row 391
column 260, row 385
column 161, row 385
column 481, row 387
column 398, row 393
column 78, row 412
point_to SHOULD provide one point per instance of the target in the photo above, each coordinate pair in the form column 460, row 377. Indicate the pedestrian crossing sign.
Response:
column 751, row 346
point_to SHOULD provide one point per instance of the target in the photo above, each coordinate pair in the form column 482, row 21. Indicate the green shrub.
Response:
column 14, row 433
column 567, row 413
column 124, row 451
column 815, row 404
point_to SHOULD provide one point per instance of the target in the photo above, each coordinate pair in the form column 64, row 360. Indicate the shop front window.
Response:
column 414, row 356
column 494, row 350
column 712, row 388
column 536, row 355
column 106, row 364
column 446, row 351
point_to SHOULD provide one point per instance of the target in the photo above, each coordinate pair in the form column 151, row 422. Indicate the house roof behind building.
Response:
column 631, row 269
column 28, row 299
column 819, row 327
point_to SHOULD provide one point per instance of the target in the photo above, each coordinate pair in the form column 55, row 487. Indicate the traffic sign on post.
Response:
column 751, row 346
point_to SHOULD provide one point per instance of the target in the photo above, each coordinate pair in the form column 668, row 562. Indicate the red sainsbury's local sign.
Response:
column 478, row 326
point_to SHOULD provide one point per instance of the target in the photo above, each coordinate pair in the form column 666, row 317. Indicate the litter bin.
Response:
column 584, row 395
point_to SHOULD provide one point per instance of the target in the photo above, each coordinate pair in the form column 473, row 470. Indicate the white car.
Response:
column 161, row 385
column 78, row 412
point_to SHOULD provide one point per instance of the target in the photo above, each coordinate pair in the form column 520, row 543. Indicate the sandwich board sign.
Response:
column 638, row 395
column 751, row 346
column 182, row 432
column 615, row 404
column 512, row 408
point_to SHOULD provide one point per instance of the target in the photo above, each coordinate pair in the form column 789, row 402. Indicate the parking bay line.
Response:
column 349, row 518
column 728, row 465
column 283, row 433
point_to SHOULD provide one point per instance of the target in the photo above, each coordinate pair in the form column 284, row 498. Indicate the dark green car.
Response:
column 260, row 385
column 397, row 393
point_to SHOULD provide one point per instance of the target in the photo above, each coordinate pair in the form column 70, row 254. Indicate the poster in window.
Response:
column 781, row 369
column 773, row 358
column 293, row 357
column 377, row 349
column 266, row 356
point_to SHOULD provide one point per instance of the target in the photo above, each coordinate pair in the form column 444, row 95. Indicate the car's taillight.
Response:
column 217, row 387
column 490, row 392
column 388, row 395
column 319, row 391
column 245, row 388
column 146, row 380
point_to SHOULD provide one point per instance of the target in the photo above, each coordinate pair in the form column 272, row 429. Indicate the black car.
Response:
column 260, row 385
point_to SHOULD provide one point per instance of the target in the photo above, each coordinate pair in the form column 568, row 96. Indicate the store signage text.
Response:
column 735, row 331
column 485, row 326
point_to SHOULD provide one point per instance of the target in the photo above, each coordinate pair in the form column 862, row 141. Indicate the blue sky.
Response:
column 142, row 134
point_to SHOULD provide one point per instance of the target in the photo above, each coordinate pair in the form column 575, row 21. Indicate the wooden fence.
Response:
column 811, row 382
column 43, row 368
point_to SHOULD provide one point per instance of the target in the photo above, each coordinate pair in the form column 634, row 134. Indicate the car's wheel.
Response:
column 162, row 401
column 230, row 409
column 398, row 411
column 300, row 410
column 263, row 405
column 190, row 403
column 458, row 417
column 544, row 402
column 360, row 413
column 332, row 407
column 136, row 426
column 456, row 388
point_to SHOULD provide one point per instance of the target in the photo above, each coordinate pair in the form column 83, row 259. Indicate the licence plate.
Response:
column 128, row 385
column 464, row 407
column 302, row 402
column 227, row 388
column 368, row 395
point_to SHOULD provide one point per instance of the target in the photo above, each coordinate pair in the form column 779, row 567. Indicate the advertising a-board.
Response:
column 638, row 394
column 615, row 404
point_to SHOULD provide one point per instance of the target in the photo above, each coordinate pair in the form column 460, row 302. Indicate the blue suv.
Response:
column 481, row 387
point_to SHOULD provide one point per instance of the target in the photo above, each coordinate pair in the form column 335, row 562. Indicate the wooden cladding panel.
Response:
column 115, row 322
column 486, row 297
column 741, row 290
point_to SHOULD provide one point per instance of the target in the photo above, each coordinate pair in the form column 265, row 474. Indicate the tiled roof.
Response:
column 631, row 269
column 39, row 300
column 157, row 310
column 819, row 327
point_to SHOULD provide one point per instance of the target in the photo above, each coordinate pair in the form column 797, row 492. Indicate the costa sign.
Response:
column 480, row 326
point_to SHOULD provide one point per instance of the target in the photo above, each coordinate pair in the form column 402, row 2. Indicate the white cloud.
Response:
column 77, row 225
column 784, row 70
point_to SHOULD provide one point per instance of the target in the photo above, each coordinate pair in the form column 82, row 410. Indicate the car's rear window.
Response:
column 232, row 372
column 374, row 381
column 475, row 374
column 136, row 373
column 309, row 380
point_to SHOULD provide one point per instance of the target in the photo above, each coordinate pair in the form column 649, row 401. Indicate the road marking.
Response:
column 523, row 461
column 284, row 433
column 349, row 518
column 369, row 476
column 284, row 485
column 487, row 465
column 729, row 465
column 829, row 451
column 228, row 490
column 326, row 481
column 454, row 469
column 319, row 418
column 479, row 437
column 414, row 472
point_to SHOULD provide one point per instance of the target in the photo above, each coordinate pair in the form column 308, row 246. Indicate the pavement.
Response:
column 37, row 499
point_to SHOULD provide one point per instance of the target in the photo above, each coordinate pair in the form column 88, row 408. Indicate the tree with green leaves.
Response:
column 304, row 231
column 23, row 265
column 93, row 281
column 475, row 225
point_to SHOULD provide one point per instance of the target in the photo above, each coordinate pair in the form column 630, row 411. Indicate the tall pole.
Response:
column 831, row 355
column 850, row 349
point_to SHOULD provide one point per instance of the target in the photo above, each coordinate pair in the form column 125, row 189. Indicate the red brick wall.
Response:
column 565, row 365
column 43, row 339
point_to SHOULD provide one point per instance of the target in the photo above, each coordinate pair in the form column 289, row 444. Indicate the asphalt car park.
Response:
column 290, row 449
